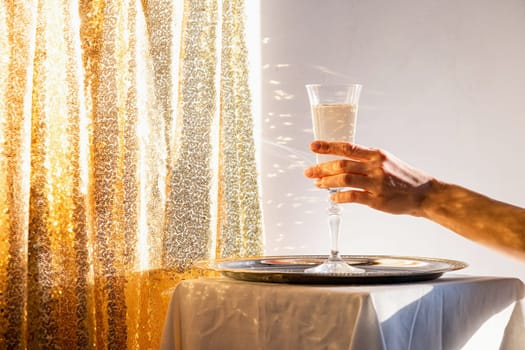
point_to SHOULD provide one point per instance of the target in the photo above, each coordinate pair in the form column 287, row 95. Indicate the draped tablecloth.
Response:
column 448, row 313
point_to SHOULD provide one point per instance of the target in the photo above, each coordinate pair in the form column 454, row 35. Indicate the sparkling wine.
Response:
column 334, row 122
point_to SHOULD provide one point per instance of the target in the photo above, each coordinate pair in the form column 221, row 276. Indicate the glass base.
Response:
column 334, row 266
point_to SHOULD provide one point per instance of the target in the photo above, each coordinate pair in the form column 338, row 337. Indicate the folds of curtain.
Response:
column 126, row 154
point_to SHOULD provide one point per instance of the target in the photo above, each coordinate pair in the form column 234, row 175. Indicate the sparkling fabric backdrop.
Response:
column 126, row 154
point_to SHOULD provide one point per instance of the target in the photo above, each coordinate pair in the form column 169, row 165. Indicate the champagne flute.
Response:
column 334, row 113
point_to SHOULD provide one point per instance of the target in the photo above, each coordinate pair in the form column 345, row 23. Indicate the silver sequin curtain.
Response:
column 126, row 154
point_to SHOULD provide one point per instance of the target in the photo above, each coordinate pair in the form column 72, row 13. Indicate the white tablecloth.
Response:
column 448, row 313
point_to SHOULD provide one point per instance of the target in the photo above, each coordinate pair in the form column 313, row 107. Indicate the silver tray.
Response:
column 378, row 269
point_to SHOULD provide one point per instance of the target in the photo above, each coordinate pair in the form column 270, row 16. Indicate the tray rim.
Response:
column 275, row 276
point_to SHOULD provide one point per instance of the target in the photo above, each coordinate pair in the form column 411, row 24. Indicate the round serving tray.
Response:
column 378, row 269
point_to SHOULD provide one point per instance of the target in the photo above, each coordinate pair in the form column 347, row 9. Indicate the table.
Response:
column 453, row 312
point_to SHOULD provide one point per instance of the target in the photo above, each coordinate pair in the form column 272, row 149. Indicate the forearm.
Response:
column 481, row 219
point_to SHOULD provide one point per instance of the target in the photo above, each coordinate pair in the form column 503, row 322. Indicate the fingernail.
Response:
column 308, row 172
column 315, row 146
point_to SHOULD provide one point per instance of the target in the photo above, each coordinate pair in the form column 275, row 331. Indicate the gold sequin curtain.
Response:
column 126, row 154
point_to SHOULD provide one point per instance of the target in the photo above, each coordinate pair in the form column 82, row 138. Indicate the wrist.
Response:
column 433, row 197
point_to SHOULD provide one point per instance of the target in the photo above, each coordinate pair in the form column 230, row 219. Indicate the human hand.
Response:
column 375, row 177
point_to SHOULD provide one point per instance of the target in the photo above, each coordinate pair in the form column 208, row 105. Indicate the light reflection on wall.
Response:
column 286, row 155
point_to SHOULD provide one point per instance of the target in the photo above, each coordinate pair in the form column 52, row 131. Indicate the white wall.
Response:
column 444, row 89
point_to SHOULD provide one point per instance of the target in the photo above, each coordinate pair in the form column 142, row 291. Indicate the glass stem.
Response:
column 334, row 222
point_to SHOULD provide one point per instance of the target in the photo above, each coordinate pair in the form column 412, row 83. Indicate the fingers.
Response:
column 362, row 169
column 337, row 167
column 346, row 180
column 353, row 196
column 344, row 149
